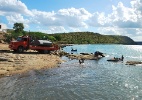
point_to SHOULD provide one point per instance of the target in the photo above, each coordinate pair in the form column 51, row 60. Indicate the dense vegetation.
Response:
column 70, row 38
column 18, row 30
column 92, row 38
column 35, row 35
column 78, row 38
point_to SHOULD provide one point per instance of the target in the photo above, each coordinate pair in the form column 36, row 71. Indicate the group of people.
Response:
column 122, row 58
column 97, row 54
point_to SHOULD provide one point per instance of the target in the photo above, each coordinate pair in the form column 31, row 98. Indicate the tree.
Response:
column 18, row 27
column 58, row 37
column 18, row 30
column 52, row 38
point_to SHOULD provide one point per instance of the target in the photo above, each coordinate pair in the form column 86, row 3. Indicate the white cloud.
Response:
column 121, row 17
column 124, row 17
column 121, row 21
column 137, row 5
column 43, row 18
column 74, row 30
column 111, row 31
column 15, row 11
column 81, row 13
column 14, row 6
column 53, row 29
column 17, row 18
column 64, row 17
column 138, row 34
column 98, row 20
column 135, row 34
column 2, row 13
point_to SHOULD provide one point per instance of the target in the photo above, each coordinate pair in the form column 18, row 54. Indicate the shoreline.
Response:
column 14, row 63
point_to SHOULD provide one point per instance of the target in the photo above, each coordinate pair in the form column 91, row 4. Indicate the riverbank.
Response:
column 14, row 63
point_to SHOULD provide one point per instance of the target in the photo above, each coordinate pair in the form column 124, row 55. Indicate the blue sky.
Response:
column 109, row 17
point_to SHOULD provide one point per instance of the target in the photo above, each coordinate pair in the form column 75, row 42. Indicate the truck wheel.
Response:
column 46, row 52
column 40, row 51
column 20, row 49
column 14, row 50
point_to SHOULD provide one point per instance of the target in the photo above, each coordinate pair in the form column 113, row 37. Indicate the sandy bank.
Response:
column 11, row 63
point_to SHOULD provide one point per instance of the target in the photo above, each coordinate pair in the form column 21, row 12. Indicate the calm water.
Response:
column 95, row 80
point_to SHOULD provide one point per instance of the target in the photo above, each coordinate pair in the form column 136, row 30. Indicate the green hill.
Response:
column 77, row 38
column 92, row 38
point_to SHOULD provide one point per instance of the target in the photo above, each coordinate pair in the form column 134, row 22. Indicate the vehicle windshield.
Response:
column 19, row 39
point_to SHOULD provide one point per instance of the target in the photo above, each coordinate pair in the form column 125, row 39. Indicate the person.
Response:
column 122, row 58
column 81, row 61
column 96, row 54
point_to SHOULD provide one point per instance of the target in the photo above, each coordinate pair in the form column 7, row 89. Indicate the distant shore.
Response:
column 14, row 63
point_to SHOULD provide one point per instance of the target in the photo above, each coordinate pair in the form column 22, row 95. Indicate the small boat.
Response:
column 115, row 59
column 73, row 49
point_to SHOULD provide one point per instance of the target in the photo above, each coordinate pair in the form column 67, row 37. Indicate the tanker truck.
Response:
column 23, row 43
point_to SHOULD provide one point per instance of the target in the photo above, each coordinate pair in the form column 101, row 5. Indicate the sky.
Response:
column 108, row 17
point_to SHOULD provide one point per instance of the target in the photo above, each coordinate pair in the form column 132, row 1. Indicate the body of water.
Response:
column 94, row 80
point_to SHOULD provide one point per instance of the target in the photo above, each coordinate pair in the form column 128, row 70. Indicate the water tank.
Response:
column 41, row 43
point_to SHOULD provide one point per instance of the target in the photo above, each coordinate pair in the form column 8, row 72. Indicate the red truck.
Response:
column 26, row 42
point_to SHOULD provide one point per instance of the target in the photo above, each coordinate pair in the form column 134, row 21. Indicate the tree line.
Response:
column 92, row 38
column 70, row 38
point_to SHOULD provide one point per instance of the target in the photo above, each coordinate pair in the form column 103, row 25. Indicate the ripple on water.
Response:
column 95, row 80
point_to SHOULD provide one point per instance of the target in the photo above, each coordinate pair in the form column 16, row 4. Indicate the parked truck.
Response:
column 26, row 42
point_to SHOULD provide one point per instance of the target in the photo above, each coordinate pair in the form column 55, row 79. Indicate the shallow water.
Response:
column 94, row 80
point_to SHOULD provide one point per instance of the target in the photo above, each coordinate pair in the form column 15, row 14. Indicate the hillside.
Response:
column 76, row 38
column 92, row 38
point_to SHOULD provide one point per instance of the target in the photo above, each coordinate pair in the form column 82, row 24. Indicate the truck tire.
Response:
column 46, row 52
column 20, row 49
column 40, row 51
column 14, row 50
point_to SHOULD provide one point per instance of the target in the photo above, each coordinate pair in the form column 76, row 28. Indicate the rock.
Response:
column 2, row 72
column 11, row 60
column 85, row 53
column 86, row 57
column 133, row 62
column 1, row 41
column 3, row 59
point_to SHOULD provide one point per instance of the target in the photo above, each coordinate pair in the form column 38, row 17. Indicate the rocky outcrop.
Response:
column 133, row 62
column 85, row 57
column 3, row 59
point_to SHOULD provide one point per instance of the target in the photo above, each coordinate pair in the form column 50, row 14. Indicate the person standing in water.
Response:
column 122, row 58
column 81, row 60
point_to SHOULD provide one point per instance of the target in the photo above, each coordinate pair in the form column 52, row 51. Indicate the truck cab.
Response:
column 21, row 44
